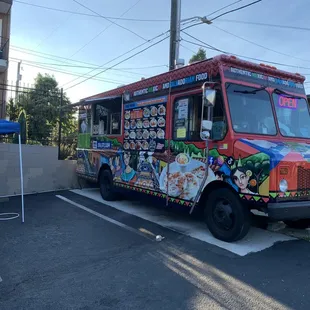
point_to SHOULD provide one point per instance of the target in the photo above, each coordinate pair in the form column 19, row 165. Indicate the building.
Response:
column 5, row 23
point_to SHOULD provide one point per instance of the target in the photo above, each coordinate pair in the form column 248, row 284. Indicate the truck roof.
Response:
column 211, row 66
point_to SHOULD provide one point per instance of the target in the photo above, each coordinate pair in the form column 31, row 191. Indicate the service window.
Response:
column 187, row 118
column 84, row 120
column 107, row 118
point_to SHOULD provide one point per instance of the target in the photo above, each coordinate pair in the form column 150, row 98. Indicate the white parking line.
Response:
column 108, row 219
column 256, row 241
column 0, row 279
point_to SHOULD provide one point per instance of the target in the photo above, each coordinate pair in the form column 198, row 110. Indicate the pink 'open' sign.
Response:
column 286, row 102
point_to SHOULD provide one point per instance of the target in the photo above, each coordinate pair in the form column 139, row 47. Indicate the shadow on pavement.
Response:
column 65, row 258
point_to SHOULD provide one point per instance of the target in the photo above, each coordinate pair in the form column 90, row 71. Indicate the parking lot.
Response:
column 75, row 252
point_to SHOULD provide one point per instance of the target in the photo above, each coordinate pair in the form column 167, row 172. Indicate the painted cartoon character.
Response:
column 117, row 165
column 243, row 179
column 220, row 175
column 129, row 174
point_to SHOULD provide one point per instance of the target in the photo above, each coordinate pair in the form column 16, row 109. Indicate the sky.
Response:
column 90, row 44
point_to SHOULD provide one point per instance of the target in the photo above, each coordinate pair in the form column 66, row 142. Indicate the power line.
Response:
column 234, row 10
column 263, row 24
column 106, row 28
column 52, row 32
column 90, row 15
column 110, row 20
column 84, row 67
column 71, row 73
column 262, row 46
column 140, row 45
column 33, row 52
column 208, row 46
column 224, row 7
column 121, row 61
column 187, row 48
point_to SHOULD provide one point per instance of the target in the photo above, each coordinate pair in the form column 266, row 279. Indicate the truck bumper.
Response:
column 289, row 210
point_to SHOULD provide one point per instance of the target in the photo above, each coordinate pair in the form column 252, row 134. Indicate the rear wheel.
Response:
column 299, row 224
column 107, row 189
column 226, row 217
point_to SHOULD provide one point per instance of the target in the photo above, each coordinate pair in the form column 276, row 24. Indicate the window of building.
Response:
column 187, row 118
column 107, row 118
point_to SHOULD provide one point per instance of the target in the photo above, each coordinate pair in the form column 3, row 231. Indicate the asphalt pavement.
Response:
column 67, row 257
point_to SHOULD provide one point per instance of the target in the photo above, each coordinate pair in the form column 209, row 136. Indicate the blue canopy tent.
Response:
column 6, row 128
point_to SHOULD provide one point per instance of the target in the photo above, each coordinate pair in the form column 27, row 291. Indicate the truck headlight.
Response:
column 283, row 185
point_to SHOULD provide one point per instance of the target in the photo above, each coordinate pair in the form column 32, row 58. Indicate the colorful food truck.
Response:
column 223, row 135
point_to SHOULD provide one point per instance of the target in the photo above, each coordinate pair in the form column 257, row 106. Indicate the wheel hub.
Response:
column 223, row 215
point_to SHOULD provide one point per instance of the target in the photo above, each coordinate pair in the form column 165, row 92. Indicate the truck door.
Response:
column 188, row 162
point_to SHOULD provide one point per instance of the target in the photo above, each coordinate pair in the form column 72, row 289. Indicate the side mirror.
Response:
column 209, row 97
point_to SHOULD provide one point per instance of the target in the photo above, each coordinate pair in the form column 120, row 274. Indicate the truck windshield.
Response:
column 293, row 115
column 250, row 110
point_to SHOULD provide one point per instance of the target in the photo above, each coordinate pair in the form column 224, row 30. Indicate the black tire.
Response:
column 107, row 189
column 298, row 224
column 225, row 215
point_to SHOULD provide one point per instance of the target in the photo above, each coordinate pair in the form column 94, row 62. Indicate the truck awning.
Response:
column 89, row 101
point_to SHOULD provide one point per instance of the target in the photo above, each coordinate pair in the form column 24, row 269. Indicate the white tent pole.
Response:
column 21, row 176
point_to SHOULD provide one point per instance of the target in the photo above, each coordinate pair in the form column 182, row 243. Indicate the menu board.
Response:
column 145, row 125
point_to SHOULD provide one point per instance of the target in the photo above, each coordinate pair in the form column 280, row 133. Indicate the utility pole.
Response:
column 60, row 122
column 18, row 78
column 174, row 33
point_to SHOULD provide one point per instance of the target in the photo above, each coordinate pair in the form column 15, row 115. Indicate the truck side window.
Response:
column 187, row 118
column 107, row 118
column 219, row 128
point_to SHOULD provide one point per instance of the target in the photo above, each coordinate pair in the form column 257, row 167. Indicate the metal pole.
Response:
column 17, row 78
column 60, row 122
column 178, row 35
column 173, row 33
column 21, row 176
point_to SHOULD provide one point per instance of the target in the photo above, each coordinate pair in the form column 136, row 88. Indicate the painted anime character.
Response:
column 117, row 166
column 129, row 174
column 243, row 179
column 220, row 175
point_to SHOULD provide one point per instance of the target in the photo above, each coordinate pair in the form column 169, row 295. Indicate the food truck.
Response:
column 223, row 135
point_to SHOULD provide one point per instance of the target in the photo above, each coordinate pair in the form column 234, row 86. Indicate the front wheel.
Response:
column 298, row 224
column 107, row 190
column 226, row 217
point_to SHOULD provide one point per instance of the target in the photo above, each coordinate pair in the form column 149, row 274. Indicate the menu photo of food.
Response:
column 127, row 115
column 145, row 125
column 185, row 177
column 139, row 124
column 153, row 111
column 126, row 145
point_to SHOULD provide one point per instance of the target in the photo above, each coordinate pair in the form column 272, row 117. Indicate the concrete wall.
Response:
column 42, row 170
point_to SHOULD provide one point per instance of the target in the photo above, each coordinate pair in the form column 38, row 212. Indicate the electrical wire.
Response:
column 262, row 46
column 263, row 24
column 187, row 48
column 150, row 46
column 61, row 25
column 71, row 73
column 224, row 7
column 74, row 66
column 110, row 20
column 102, row 31
column 131, row 50
column 90, row 15
column 208, row 46
column 77, row 61
column 234, row 10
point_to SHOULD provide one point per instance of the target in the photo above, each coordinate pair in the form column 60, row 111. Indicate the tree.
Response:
column 199, row 56
column 12, row 110
column 41, row 105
